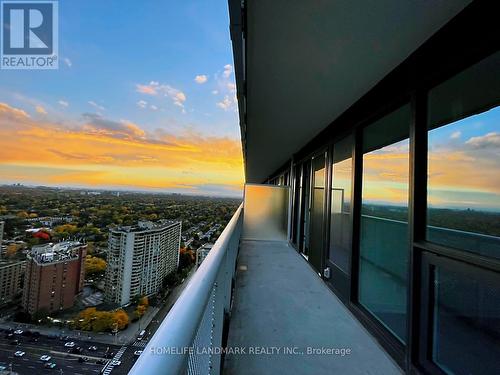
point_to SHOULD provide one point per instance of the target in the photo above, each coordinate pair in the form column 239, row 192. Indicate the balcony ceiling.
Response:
column 309, row 61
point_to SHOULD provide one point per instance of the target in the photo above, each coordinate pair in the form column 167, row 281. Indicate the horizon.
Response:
column 118, row 190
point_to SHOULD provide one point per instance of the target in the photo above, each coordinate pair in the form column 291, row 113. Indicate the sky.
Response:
column 463, row 167
column 144, row 99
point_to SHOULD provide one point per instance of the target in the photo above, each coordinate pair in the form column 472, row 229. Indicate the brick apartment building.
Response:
column 54, row 276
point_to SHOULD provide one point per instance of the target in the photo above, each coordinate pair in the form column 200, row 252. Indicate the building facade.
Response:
column 54, row 276
column 390, row 152
column 139, row 258
column 202, row 252
column 11, row 273
column 2, row 225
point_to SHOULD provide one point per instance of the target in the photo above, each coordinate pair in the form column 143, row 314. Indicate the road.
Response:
column 30, row 363
column 128, row 357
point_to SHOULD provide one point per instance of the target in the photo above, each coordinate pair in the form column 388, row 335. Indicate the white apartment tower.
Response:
column 139, row 257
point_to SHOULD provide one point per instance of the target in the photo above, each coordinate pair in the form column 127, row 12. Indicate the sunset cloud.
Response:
column 40, row 109
column 99, row 151
column 201, row 79
column 6, row 111
column 95, row 105
column 228, row 69
column 490, row 140
column 155, row 88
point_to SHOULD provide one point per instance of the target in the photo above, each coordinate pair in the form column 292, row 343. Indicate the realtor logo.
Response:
column 29, row 35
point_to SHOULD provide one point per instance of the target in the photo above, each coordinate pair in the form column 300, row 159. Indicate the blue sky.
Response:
column 114, row 45
column 163, row 66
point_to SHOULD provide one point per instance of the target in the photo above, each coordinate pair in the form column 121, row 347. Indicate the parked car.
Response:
column 18, row 332
column 100, row 361
column 45, row 358
column 50, row 365
column 14, row 342
column 19, row 353
column 93, row 348
column 137, row 353
column 116, row 363
column 69, row 344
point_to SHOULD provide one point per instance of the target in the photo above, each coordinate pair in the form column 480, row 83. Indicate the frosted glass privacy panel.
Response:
column 265, row 213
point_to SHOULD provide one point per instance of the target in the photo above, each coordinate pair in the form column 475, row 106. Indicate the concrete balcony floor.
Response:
column 281, row 302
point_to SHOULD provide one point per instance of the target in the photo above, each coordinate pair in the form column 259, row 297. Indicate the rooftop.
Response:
column 143, row 226
column 55, row 252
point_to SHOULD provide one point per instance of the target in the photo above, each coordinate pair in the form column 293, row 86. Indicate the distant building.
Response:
column 139, row 258
column 11, row 273
column 51, row 221
column 54, row 276
column 202, row 253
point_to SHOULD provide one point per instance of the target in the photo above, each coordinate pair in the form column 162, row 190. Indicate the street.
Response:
column 30, row 362
column 67, row 363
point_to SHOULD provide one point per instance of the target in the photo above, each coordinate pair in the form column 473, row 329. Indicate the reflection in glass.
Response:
column 384, row 222
column 340, row 225
column 464, row 184
column 466, row 323
column 463, row 160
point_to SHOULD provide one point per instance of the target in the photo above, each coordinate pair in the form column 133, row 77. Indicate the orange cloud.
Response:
column 102, row 152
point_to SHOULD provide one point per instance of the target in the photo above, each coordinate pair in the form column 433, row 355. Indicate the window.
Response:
column 463, row 167
column 384, row 222
column 465, row 312
column 340, row 212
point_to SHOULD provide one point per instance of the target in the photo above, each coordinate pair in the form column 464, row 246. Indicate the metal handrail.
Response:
column 179, row 328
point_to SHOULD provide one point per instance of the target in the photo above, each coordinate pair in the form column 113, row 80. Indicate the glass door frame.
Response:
column 323, row 153
column 339, row 280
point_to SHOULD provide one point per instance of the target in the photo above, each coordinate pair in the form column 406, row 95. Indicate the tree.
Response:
column 91, row 319
column 66, row 230
column 12, row 250
column 94, row 265
column 171, row 279
column 186, row 258
column 144, row 301
column 120, row 319
column 22, row 215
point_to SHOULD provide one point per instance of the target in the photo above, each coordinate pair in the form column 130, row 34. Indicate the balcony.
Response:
column 257, row 297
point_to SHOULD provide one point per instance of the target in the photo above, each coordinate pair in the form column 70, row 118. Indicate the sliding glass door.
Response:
column 316, row 231
column 384, row 236
column 340, row 232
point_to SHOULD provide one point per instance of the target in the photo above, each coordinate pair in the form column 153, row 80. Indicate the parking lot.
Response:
column 88, row 362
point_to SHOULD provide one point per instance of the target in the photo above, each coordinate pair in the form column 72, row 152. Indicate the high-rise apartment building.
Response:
column 139, row 258
column 54, row 276
column 11, row 272
column 2, row 225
